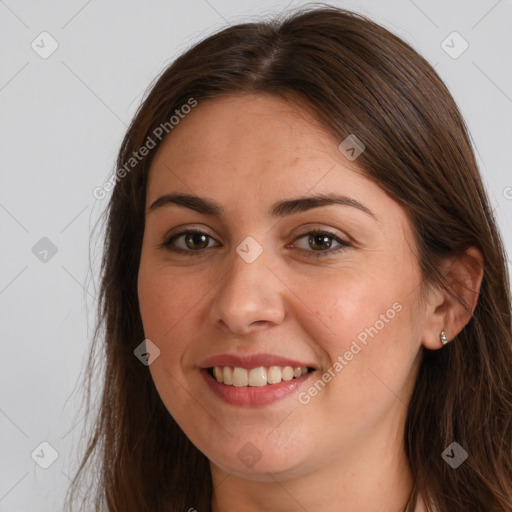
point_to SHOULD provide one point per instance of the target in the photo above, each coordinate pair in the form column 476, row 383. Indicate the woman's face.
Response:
column 255, row 291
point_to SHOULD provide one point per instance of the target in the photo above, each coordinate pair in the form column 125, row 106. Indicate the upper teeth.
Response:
column 261, row 376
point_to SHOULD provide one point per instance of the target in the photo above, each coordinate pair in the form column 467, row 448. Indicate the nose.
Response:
column 249, row 297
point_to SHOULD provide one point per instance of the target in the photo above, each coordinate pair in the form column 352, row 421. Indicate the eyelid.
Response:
column 170, row 239
column 343, row 244
column 184, row 228
column 319, row 230
column 320, row 227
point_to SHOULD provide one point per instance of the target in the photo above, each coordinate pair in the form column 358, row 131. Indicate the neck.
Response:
column 372, row 476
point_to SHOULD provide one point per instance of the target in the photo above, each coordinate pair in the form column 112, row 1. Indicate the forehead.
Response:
column 234, row 127
column 260, row 142
column 247, row 153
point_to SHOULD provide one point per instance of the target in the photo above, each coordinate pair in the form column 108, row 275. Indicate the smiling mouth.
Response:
column 256, row 377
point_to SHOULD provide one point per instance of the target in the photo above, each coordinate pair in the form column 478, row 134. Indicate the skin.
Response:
column 343, row 450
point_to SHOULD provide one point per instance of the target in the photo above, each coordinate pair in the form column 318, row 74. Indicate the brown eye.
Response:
column 188, row 241
column 320, row 243
column 196, row 240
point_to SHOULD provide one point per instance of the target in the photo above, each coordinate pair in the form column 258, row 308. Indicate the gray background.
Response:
column 61, row 121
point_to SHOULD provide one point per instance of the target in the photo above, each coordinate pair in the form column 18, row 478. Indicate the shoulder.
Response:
column 420, row 505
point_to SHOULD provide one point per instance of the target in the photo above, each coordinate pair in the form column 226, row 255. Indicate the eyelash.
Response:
column 343, row 243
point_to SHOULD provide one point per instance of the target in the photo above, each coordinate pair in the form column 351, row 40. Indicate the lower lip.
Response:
column 254, row 396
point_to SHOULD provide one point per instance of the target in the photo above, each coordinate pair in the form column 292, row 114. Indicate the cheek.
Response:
column 166, row 308
column 366, row 319
column 166, row 294
column 371, row 351
column 347, row 304
column 165, row 304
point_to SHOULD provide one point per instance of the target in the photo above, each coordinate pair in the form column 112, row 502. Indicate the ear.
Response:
column 450, row 309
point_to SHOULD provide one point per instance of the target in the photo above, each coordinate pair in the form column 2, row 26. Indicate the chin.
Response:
column 264, row 465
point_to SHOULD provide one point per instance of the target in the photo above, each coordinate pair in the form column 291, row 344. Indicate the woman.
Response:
column 300, row 235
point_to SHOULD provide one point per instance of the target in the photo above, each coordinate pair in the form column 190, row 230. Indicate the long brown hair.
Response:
column 357, row 78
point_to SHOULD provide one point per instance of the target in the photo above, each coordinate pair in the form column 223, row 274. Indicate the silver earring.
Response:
column 444, row 341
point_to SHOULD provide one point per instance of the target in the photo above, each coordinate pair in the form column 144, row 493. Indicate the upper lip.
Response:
column 252, row 361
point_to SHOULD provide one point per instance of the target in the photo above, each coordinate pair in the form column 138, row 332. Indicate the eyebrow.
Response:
column 279, row 209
